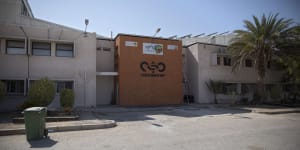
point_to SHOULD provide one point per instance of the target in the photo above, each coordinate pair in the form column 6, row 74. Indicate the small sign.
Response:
column 172, row 47
column 153, row 49
column 131, row 43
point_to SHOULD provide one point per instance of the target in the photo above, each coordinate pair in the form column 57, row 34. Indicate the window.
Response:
column 229, row 88
column 15, row 47
column 248, row 63
column 64, row 50
column 172, row 47
column 41, row 48
column 227, row 61
column 107, row 49
column 24, row 10
column 14, row 87
column 218, row 60
column 60, row 85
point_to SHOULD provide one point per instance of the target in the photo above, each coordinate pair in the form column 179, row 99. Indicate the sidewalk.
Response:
column 264, row 109
column 87, row 122
column 271, row 110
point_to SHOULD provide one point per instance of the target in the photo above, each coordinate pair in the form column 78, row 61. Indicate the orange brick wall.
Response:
column 139, row 88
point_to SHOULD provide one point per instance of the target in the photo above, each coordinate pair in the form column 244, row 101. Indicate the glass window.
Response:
column 41, row 48
column 106, row 49
column 227, row 61
column 218, row 60
column 15, row 47
column 64, row 50
column 248, row 63
column 63, row 85
column 24, row 10
column 14, row 87
column 230, row 88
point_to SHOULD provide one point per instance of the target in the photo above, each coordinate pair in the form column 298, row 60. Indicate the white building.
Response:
column 32, row 48
column 205, row 61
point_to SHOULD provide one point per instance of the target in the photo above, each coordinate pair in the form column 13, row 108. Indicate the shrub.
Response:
column 67, row 99
column 41, row 93
column 2, row 89
column 275, row 92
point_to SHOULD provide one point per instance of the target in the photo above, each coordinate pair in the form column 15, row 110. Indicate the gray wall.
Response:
column 81, row 68
column 105, row 63
column 200, row 70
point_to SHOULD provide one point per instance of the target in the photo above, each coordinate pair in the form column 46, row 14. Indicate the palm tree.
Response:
column 258, row 42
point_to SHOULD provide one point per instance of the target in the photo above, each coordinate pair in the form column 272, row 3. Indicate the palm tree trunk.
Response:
column 260, row 91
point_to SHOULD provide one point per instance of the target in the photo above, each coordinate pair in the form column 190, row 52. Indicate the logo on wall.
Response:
column 153, row 49
column 152, row 69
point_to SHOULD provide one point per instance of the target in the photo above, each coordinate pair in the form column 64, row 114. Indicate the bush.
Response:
column 275, row 92
column 2, row 89
column 41, row 93
column 67, row 99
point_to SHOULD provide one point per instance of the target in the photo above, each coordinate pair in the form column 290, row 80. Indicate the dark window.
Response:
column 248, row 63
column 227, row 61
column 64, row 50
column 229, row 88
column 218, row 60
column 106, row 49
column 14, row 87
column 41, row 48
column 24, row 10
column 63, row 85
column 15, row 47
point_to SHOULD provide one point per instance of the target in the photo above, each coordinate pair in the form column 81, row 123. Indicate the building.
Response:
column 129, row 70
column 150, row 70
column 205, row 61
column 32, row 48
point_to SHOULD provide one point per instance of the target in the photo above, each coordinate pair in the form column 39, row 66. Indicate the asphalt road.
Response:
column 193, row 129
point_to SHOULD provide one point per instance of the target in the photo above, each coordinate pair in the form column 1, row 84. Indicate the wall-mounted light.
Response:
column 157, row 30
column 86, row 21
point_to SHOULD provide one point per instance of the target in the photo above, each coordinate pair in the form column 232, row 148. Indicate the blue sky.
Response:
column 174, row 17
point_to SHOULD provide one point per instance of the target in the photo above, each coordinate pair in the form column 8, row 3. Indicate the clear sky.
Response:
column 174, row 17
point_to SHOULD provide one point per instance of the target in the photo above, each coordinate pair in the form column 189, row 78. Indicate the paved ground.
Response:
column 178, row 128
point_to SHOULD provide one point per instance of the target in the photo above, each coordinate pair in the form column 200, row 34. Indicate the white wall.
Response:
column 200, row 70
column 81, row 68
column 105, row 63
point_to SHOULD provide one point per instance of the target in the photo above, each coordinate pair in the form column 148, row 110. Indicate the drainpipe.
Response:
column 84, row 93
column 27, row 52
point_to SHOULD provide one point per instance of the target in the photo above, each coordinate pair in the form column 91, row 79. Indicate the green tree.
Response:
column 2, row 89
column 289, row 54
column 258, row 41
column 214, row 87
column 41, row 93
column 67, row 99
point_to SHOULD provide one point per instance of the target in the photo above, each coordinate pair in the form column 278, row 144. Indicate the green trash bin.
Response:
column 35, row 122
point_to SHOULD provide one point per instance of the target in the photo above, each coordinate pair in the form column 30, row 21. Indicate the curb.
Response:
column 62, row 128
column 277, row 112
column 49, row 119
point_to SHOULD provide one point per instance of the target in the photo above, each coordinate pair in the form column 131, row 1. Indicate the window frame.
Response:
column 56, row 50
column 19, row 88
column 251, row 63
column 43, row 42
column 15, row 40
column 58, row 90
column 225, row 59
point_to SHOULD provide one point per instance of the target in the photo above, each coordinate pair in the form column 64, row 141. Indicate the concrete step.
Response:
column 49, row 119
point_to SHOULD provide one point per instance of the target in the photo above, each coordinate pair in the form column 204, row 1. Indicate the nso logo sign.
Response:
column 153, row 49
column 152, row 69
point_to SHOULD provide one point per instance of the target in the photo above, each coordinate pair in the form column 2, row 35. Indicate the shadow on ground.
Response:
column 141, row 114
column 42, row 143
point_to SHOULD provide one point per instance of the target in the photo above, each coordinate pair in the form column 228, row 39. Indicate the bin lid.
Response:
column 35, row 109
